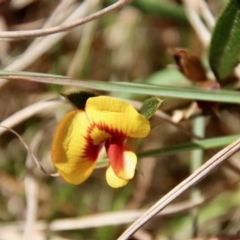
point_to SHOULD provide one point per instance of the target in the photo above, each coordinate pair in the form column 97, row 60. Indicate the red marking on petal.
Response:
column 115, row 149
column 90, row 150
column 113, row 131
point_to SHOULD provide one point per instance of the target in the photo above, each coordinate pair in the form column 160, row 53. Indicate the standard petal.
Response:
column 122, row 160
column 73, row 153
column 114, row 181
column 116, row 117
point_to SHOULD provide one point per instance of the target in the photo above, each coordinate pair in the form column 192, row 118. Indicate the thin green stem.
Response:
column 198, row 128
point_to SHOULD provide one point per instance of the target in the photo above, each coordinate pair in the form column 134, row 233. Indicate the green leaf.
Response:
column 150, row 106
column 78, row 99
column 225, row 43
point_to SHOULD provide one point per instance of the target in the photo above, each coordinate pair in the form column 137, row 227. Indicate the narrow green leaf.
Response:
column 225, row 43
column 201, row 144
column 191, row 93
column 150, row 106
column 156, row 90
column 78, row 99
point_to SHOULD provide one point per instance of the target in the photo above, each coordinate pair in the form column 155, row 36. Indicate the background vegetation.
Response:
column 122, row 50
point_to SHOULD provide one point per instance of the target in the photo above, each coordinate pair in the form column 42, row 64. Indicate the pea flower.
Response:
column 81, row 134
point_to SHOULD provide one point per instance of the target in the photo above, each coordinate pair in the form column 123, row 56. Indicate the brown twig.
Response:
column 12, row 35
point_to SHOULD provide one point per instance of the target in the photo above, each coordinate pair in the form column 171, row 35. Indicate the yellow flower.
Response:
column 81, row 134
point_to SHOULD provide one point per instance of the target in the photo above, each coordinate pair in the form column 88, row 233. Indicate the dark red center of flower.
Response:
column 114, row 145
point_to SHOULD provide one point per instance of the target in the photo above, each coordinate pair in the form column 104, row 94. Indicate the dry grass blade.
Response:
column 194, row 178
column 27, row 112
column 104, row 219
column 40, row 167
column 31, row 190
column 207, row 14
column 110, row 218
column 82, row 52
column 43, row 32
column 199, row 27
column 44, row 44
column 58, row 16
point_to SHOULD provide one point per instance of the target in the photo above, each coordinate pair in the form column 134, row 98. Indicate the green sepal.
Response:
column 150, row 106
column 78, row 99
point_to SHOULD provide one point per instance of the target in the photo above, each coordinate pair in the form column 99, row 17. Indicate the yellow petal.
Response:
column 130, row 162
column 114, row 181
column 73, row 153
column 116, row 117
